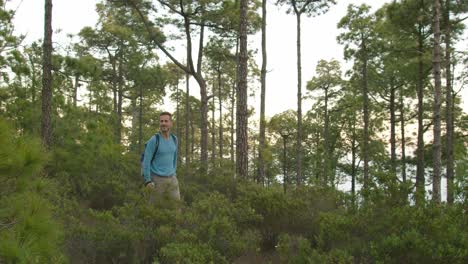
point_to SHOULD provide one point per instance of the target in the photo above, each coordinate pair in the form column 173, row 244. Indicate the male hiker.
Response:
column 160, row 160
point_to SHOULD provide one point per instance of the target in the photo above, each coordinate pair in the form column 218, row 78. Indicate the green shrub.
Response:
column 28, row 231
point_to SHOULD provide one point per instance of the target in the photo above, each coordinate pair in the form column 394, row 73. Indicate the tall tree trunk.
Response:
column 285, row 177
column 437, row 102
column 192, row 134
column 326, row 141
column 203, row 97
column 353, row 156
column 140, row 122
column 242, row 115
column 179, row 158
column 220, row 106
column 135, row 123
column 187, row 119
column 318, row 160
column 420, row 192
column 299, row 104
column 392, row 128
column 46, row 123
column 204, row 128
column 449, row 108
column 366, row 118
column 197, row 74
column 261, row 161
column 233, row 102
column 114, row 83
column 119, row 104
column 213, row 134
column 403, row 140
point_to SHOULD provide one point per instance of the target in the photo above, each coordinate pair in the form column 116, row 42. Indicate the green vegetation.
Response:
column 81, row 199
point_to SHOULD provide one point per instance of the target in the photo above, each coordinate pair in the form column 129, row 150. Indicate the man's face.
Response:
column 165, row 123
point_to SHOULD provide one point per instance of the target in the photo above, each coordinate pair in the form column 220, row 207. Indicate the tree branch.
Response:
column 153, row 38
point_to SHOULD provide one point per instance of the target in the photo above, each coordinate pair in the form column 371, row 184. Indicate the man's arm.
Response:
column 149, row 151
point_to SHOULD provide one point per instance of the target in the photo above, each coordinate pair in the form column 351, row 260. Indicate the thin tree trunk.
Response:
column 220, row 106
column 179, row 157
column 437, row 102
column 366, row 119
column 326, row 157
column 140, row 121
column 299, row 104
column 119, row 104
column 242, row 115
column 449, row 108
column 46, row 122
column 213, row 135
column 261, row 162
column 187, row 119
column 114, row 83
column 285, row 177
column 135, row 123
column 392, row 128
column 318, row 159
column 420, row 192
column 233, row 102
column 353, row 157
column 403, row 140
column 192, row 133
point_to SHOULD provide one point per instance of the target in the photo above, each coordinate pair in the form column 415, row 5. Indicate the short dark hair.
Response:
column 166, row 113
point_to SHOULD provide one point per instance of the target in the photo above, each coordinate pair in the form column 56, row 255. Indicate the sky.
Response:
column 318, row 42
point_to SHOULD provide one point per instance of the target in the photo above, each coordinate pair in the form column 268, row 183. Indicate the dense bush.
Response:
column 28, row 231
column 92, row 209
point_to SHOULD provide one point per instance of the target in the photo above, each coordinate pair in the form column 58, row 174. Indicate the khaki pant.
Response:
column 165, row 187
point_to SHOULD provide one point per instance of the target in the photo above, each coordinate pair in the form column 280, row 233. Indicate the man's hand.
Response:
column 150, row 185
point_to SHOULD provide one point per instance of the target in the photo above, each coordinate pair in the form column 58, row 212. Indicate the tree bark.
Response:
column 403, row 139
column 366, row 117
column 420, row 192
column 179, row 158
column 46, row 122
column 233, row 103
column 135, row 124
column 299, row 104
column 449, row 106
column 140, row 121
column 392, row 128
column 204, row 106
column 187, row 119
column 119, row 104
column 242, row 115
column 261, row 150
column 353, row 156
column 437, row 102
column 326, row 149
column 220, row 106
column 213, row 134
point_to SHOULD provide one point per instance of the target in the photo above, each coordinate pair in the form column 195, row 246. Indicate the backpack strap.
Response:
column 156, row 147
column 175, row 139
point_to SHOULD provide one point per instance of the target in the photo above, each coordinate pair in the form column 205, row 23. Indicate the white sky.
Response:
column 318, row 42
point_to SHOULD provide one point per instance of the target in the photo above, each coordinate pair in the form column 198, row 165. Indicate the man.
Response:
column 160, row 160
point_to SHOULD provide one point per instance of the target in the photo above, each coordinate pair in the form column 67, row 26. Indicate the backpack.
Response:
column 157, row 135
